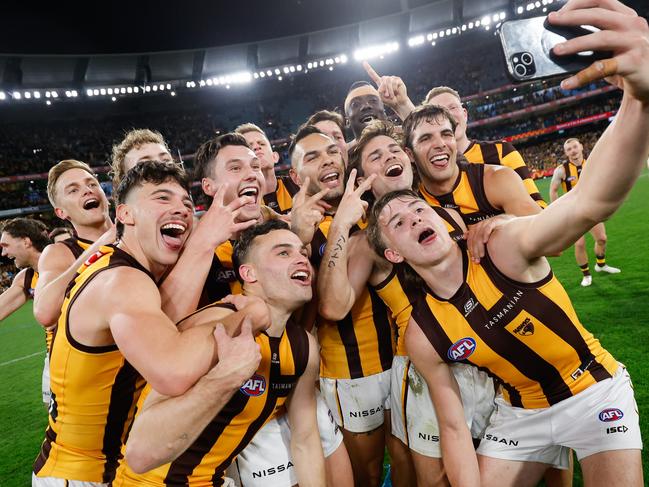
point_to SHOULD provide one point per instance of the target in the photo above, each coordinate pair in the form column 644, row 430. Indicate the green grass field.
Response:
column 615, row 308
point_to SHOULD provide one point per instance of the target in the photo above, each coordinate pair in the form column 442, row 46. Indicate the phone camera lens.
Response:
column 520, row 70
column 526, row 58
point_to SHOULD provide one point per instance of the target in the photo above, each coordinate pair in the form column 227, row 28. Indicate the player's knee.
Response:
column 601, row 241
column 580, row 245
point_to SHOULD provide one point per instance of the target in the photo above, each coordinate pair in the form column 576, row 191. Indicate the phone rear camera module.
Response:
column 523, row 65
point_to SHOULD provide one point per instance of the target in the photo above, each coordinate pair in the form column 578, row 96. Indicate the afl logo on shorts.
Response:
column 462, row 349
column 611, row 414
column 255, row 386
column 322, row 249
column 570, row 178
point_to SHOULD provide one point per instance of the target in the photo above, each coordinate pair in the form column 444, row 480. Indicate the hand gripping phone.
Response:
column 527, row 45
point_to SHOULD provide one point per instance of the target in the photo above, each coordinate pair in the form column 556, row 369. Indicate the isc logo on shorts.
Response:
column 611, row 414
column 255, row 386
column 462, row 349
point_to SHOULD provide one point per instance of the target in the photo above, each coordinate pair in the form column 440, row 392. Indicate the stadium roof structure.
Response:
column 64, row 51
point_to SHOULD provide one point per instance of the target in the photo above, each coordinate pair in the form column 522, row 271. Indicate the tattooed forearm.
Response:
column 337, row 249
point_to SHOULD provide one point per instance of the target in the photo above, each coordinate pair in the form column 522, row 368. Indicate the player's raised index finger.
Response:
column 351, row 180
column 371, row 73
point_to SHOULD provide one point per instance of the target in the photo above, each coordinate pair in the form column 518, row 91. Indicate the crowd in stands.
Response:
column 547, row 155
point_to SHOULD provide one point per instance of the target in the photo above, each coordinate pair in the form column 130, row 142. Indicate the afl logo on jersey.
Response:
column 611, row 414
column 462, row 349
column 255, row 386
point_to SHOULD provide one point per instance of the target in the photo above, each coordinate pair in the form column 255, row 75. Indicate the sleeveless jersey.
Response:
column 398, row 291
column 94, row 392
column 281, row 200
column 29, row 284
column 203, row 464
column 504, row 154
column 525, row 335
column 468, row 195
column 222, row 278
column 360, row 344
column 571, row 175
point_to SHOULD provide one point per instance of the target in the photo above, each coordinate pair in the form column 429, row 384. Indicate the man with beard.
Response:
column 109, row 338
column 198, row 445
column 356, row 350
column 482, row 152
column 567, row 175
column 333, row 125
column 509, row 314
column 278, row 191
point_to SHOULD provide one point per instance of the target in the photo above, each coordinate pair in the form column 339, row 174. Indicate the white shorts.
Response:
column 45, row 381
column 413, row 416
column 358, row 405
column 604, row 417
column 57, row 482
column 266, row 461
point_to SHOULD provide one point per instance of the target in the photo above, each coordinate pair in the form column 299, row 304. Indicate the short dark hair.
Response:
column 358, row 84
column 34, row 230
column 424, row 113
column 327, row 116
column 302, row 132
column 207, row 152
column 373, row 129
column 60, row 231
column 246, row 239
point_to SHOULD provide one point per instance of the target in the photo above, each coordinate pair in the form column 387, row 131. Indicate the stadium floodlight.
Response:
column 168, row 86
column 277, row 71
column 486, row 20
column 129, row 90
column 454, row 30
column 279, row 78
column 292, row 69
column 102, row 91
column 55, row 94
column 67, row 93
column 537, row 4
column 331, row 68
column 209, row 82
column 470, row 25
column 47, row 94
column 201, row 83
column 37, row 94
column 88, row 92
column 27, row 95
column 262, row 74
column 74, row 93
column 416, row 41
column 322, row 63
column 155, row 88
column 495, row 17
column 519, row 10
column 286, row 70
column 343, row 58
column 112, row 98
column 441, row 33
column 448, row 32
column 173, row 93
column 309, row 65
column 477, row 23
column 16, row 95
column 299, row 67
column 3, row 96
column 502, row 15
column 122, row 90
column 48, row 102
column 162, row 87
column 375, row 51
column 137, row 90
column 269, row 73
column 463, row 27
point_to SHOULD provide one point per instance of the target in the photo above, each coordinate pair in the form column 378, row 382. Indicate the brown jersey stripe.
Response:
column 383, row 329
column 507, row 148
column 217, row 284
column 44, row 454
column 183, row 466
column 27, row 284
column 489, row 153
column 348, row 337
column 73, row 245
column 457, row 233
column 537, row 197
column 523, row 172
column 122, row 396
column 299, row 342
column 475, row 174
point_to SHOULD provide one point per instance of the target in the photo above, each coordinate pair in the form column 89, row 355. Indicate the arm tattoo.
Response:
column 338, row 247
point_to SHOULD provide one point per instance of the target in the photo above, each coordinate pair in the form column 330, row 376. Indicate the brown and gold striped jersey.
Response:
column 571, row 175
column 399, row 290
column 360, row 344
column 467, row 197
column 222, row 277
column 504, row 154
column 281, row 200
column 203, row 464
column 525, row 335
column 94, row 392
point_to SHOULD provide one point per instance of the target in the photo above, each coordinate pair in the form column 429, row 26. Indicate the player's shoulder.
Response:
column 19, row 278
column 57, row 253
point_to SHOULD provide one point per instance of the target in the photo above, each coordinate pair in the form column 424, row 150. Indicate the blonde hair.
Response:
column 132, row 140
column 244, row 128
column 438, row 90
column 56, row 171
